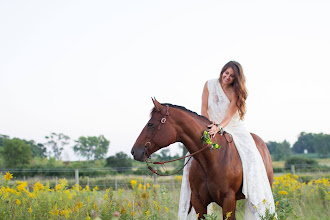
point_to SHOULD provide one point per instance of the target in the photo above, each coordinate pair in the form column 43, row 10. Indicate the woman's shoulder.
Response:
column 211, row 82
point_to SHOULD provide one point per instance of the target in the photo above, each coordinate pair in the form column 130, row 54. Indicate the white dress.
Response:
column 256, row 187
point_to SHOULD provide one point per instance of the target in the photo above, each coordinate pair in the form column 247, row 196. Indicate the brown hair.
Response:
column 238, row 85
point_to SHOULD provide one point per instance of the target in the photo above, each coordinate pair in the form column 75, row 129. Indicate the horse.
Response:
column 215, row 175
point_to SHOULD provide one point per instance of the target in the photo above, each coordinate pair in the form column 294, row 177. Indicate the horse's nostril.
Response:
column 132, row 152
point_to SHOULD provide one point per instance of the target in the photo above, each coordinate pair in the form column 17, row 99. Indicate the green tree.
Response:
column 120, row 161
column 305, row 142
column 16, row 153
column 38, row 150
column 322, row 144
column 57, row 142
column 272, row 146
column 282, row 151
column 2, row 138
column 92, row 147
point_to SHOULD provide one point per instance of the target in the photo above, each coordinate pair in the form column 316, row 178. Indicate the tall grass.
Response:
column 294, row 200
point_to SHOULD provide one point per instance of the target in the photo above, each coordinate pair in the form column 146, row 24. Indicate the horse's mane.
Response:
column 181, row 108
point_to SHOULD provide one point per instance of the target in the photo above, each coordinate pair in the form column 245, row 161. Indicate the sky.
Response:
column 90, row 68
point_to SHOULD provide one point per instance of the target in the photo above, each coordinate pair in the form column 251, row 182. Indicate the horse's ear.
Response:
column 158, row 106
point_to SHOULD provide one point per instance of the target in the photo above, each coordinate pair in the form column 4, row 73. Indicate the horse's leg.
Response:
column 198, row 205
column 229, row 206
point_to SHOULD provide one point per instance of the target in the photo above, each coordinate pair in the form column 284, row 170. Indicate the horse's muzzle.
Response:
column 139, row 154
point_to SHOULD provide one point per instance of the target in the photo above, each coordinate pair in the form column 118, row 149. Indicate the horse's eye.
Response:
column 150, row 124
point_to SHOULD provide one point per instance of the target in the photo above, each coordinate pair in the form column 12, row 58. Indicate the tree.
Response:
column 282, row 151
column 92, row 147
column 38, row 150
column 16, row 153
column 272, row 146
column 322, row 144
column 120, row 161
column 305, row 142
column 2, row 138
column 57, row 143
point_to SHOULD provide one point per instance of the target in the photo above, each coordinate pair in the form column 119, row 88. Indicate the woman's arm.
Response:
column 205, row 97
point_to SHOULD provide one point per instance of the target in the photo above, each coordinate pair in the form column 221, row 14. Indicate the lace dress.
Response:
column 256, row 187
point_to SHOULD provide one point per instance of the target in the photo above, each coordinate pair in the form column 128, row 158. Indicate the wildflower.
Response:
column 133, row 183
column 38, row 186
column 58, row 187
column 79, row 204
column 21, row 186
column 31, row 195
column 228, row 214
column 95, row 188
column 88, row 217
column 283, row 192
column 140, row 186
column 148, row 213
column 30, row 210
column 122, row 210
column 166, row 209
column 18, row 202
column 8, row 176
column 148, row 185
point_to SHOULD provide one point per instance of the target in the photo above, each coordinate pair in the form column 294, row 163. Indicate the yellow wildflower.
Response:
column 18, row 202
column 133, row 183
column 283, row 192
column 8, row 176
column 38, row 186
column 148, row 213
column 30, row 210
column 166, row 209
column 95, row 188
column 228, row 214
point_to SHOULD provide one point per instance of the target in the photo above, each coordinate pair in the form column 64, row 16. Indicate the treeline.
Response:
column 307, row 143
column 20, row 153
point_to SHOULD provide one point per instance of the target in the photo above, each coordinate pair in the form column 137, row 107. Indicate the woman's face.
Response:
column 228, row 76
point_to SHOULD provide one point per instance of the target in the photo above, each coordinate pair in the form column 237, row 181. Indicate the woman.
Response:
column 223, row 103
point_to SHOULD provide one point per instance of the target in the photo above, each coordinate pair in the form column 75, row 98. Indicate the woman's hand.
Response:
column 213, row 129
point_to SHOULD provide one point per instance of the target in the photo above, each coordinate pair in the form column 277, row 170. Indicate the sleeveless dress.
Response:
column 256, row 187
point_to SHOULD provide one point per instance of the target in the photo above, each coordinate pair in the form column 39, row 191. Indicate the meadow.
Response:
column 144, row 200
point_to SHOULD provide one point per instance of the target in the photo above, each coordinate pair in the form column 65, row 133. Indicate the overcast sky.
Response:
column 86, row 68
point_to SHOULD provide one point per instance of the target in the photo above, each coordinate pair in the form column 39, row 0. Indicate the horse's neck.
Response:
column 190, row 136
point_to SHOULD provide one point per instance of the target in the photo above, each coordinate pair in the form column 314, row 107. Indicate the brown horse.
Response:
column 215, row 175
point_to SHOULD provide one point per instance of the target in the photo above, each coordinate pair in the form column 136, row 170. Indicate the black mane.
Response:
column 181, row 108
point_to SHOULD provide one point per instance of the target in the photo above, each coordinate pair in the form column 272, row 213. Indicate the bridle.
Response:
column 148, row 144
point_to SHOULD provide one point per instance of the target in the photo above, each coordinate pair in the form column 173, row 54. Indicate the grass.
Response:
column 294, row 200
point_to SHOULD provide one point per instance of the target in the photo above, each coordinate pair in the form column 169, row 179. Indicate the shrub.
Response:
column 300, row 162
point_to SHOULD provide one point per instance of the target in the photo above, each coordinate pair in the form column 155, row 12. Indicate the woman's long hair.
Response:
column 238, row 85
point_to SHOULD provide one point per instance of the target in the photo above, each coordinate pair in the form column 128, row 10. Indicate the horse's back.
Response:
column 262, row 147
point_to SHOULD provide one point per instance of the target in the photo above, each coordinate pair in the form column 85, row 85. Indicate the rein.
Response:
column 148, row 143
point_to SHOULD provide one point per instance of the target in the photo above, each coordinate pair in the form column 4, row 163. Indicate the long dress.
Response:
column 256, row 187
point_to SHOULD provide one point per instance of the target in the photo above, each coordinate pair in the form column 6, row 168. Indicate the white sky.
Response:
column 86, row 68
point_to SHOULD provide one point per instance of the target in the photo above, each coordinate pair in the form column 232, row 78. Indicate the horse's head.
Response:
column 159, row 132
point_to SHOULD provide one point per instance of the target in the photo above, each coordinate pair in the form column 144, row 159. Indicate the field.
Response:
column 294, row 200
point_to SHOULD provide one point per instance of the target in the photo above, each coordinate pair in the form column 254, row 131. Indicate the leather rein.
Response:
column 148, row 143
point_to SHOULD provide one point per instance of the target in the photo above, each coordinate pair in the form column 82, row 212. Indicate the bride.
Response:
column 223, row 103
